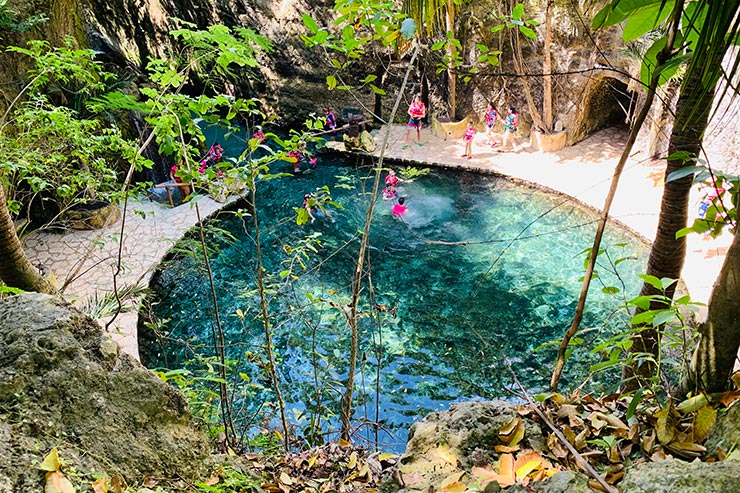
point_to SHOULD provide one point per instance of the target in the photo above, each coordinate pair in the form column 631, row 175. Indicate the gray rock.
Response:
column 674, row 476
column 562, row 482
column 725, row 434
column 101, row 409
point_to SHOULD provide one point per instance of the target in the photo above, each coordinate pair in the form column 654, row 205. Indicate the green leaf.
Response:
column 610, row 290
column 310, row 23
column 377, row 90
column 408, row 28
column 642, row 21
column 685, row 171
column 518, row 11
column 651, row 280
column 331, row 82
column 664, row 317
column 528, row 32
column 636, row 398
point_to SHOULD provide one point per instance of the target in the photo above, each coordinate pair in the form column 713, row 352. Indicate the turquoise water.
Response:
column 451, row 314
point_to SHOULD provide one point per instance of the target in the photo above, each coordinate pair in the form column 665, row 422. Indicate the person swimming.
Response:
column 399, row 208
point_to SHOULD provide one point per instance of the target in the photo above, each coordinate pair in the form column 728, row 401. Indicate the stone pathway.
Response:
column 84, row 261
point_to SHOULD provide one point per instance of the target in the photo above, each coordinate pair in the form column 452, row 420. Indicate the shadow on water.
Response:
column 451, row 314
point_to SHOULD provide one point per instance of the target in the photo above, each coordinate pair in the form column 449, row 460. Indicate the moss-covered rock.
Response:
column 61, row 386
column 672, row 476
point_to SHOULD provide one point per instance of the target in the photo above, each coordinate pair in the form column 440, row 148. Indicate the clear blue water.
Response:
column 451, row 314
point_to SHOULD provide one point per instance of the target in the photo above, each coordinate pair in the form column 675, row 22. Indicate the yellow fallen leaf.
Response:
column 445, row 455
column 693, row 403
column 703, row 422
column 352, row 461
column 51, row 461
column 57, row 483
column 451, row 479
column 100, row 485
column 386, row 456
column 311, row 461
column 525, row 469
column 506, row 476
column 666, row 425
column 343, row 443
column 455, row 488
column 505, row 449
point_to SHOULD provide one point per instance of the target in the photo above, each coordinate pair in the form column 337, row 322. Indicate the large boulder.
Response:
column 62, row 385
column 672, row 476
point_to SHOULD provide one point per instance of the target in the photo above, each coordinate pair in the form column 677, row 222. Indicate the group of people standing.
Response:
column 417, row 111
column 511, row 125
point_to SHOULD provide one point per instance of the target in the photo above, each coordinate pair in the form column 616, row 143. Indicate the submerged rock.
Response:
column 62, row 386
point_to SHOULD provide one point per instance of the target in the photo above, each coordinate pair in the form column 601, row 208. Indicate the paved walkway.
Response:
column 83, row 261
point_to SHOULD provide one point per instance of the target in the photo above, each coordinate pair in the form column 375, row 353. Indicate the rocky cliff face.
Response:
column 291, row 80
column 64, row 386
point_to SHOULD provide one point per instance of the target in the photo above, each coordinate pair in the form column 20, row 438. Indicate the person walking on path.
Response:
column 468, row 139
column 511, row 124
column 490, row 116
column 416, row 112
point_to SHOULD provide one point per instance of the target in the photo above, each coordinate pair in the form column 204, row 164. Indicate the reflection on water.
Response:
column 451, row 313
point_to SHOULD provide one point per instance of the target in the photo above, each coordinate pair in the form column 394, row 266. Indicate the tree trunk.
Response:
column 547, row 118
column 668, row 252
column 451, row 77
column 719, row 337
column 15, row 269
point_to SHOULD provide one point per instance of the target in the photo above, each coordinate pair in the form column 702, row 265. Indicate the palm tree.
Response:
column 15, row 268
column 436, row 15
column 714, row 36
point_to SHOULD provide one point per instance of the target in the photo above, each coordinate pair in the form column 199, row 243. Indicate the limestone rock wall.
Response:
column 63, row 386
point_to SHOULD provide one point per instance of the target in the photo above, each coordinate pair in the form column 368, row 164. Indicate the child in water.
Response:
column 391, row 184
column 259, row 134
column 468, row 139
column 399, row 208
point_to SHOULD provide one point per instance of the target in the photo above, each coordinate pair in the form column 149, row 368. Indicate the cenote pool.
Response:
column 479, row 271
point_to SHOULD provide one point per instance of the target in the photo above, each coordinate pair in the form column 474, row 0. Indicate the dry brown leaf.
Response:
column 505, row 476
column 554, row 445
column 595, row 485
column 57, row 483
column 659, row 454
column 580, row 442
column 212, row 480
column 687, row 450
column 412, row 478
column 666, row 425
column 485, row 473
column 505, row 449
column 509, row 427
column 648, row 441
column 100, row 485
column 612, row 421
column 117, row 484
column 286, row 479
